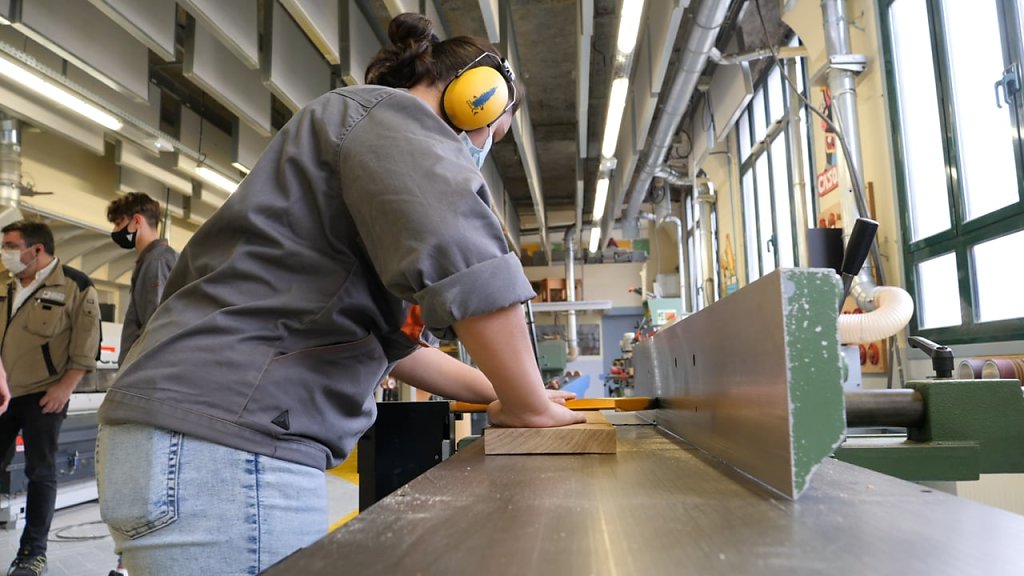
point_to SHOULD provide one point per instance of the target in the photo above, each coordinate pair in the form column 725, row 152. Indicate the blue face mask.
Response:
column 478, row 154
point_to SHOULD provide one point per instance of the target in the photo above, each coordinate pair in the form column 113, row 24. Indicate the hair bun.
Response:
column 412, row 32
column 407, row 61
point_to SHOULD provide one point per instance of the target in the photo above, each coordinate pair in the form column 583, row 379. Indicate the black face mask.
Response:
column 124, row 238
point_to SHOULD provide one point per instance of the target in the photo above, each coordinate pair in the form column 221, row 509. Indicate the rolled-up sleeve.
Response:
column 423, row 214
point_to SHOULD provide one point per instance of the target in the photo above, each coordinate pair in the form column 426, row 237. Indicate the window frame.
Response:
column 962, row 235
column 749, row 164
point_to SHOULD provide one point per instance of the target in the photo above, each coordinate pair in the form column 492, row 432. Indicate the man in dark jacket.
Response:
column 136, row 220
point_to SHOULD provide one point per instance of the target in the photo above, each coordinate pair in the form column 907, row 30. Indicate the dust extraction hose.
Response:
column 893, row 312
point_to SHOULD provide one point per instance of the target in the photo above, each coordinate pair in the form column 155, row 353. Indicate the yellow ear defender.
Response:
column 479, row 95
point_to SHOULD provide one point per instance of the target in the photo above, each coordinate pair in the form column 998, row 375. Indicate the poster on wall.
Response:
column 830, row 214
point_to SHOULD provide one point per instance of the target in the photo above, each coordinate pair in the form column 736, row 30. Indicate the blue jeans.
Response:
column 178, row 505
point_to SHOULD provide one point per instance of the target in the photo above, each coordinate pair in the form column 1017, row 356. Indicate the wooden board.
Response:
column 597, row 436
column 625, row 404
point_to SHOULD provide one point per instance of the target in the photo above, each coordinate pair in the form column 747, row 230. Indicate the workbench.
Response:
column 660, row 506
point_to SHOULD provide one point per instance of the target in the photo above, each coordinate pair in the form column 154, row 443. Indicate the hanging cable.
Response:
column 858, row 188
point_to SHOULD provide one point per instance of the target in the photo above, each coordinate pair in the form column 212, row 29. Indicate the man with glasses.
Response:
column 49, row 339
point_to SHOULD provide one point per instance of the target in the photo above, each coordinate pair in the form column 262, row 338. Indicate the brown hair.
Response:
column 134, row 203
column 32, row 233
column 417, row 54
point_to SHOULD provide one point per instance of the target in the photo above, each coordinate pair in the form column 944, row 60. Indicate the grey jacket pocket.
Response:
column 323, row 393
column 144, row 498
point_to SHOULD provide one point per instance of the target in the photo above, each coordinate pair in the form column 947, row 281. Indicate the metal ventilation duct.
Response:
column 707, row 22
column 10, row 170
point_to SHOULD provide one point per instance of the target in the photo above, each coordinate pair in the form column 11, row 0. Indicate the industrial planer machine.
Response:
column 742, row 466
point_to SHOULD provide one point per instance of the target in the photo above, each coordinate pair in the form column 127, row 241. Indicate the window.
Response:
column 767, row 173
column 698, row 284
column 959, row 161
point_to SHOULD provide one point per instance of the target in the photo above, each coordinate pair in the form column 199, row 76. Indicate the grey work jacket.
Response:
column 285, row 308
column 148, row 279
column 57, row 328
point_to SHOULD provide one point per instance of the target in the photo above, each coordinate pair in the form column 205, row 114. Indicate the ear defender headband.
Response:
column 479, row 95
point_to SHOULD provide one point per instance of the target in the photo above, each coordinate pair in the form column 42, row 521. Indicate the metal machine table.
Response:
column 660, row 506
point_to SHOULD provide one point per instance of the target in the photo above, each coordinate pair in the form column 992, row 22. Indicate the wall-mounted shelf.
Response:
column 581, row 305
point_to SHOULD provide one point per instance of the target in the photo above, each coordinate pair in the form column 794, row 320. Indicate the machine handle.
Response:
column 942, row 356
column 859, row 245
column 856, row 253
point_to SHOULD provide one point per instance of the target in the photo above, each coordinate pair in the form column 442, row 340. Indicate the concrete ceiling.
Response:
column 547, row 40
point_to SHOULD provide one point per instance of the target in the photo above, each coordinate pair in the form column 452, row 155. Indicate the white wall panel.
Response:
column 234, row 22
column 158, row 167
column 148, row 112
column 247, row 145
column 215, row 69
column 70, row 29
column 730, row 91
column 292, row 67
column 431, row 12
column 151, row 22
column 662, row 20
column 213, row 142
column 358, row 43
column 319, row 20
column 490, row 10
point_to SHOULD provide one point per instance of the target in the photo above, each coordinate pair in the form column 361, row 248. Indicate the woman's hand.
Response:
column 554, row 415
column 560, row 396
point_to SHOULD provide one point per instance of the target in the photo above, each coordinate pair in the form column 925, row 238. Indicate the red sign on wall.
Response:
column 828, row 180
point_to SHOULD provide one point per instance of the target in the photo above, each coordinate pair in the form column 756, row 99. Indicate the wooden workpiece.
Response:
column 597, row 436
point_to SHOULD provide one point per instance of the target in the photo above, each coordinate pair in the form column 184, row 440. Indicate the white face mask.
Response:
column 12, row 261
column 478, row 154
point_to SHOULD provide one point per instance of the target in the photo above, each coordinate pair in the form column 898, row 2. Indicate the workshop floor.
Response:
column 81, row 546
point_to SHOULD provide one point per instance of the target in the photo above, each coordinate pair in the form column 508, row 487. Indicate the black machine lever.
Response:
column 942, row 356
column 856, row 253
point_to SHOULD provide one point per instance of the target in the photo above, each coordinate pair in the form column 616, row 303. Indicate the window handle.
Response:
column 1011, row 86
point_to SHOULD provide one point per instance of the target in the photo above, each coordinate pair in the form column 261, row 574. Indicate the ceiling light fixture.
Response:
column 240, row 167
column 629, row 29
column 58, row 94
column 616, row 106
column 629, row 26
column 600, row 198
column 214, row 178
column 595, row 235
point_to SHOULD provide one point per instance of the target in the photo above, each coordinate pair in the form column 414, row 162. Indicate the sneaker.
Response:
column 28, row 565
column 118, row 572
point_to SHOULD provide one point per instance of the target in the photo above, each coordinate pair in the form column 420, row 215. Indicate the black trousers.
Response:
column 39, row 432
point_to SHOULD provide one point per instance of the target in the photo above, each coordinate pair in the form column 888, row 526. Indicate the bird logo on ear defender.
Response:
column 477, row 104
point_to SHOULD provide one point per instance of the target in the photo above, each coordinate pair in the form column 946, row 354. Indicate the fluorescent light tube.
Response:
column 600, row 198
column 629, row 25
column 595, row 236
column 58, row 94
column 240, row 167
column 616, row 104
column 214, row 178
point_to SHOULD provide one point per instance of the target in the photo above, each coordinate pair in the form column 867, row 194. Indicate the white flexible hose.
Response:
column 893, row 312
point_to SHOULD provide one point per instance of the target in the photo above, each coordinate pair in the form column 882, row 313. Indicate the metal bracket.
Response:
column 855, row 63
